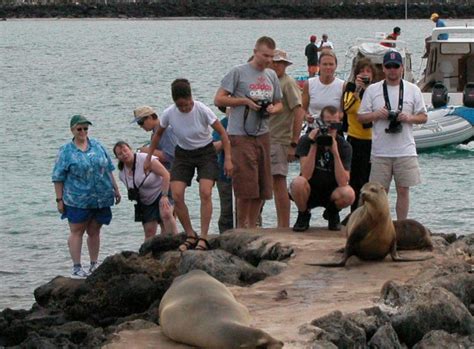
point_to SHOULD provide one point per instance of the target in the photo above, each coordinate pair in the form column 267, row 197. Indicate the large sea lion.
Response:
column 370, row 230
column 412, row 235
column 200, row 311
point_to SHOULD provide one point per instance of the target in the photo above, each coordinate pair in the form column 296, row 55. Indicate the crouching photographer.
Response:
column 394, row 105
column 149, row 190
column 325, row 162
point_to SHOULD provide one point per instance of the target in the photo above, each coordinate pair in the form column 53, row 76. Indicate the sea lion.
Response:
column 200, row 311
column 370, row 230
column 412, row 235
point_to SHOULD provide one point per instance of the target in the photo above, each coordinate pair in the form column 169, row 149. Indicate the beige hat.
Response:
column 281, row 56
column 142, row 112
column 434, row 16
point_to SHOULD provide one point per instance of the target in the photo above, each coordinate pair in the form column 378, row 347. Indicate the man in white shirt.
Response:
column 325, row 43
column 394, row 105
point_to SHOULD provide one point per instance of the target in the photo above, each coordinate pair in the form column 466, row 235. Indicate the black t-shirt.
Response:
column 324, row 164
column 311, row 52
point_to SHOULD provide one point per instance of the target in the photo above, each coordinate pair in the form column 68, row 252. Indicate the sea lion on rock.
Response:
column 370, row 230
column 200, row 311
column 412, row 235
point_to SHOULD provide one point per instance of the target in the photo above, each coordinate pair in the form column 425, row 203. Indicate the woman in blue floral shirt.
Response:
column 85, row 189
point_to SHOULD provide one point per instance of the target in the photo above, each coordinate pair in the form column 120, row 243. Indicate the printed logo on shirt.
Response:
column 261, row 89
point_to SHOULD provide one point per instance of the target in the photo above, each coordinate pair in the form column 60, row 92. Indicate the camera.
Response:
column 133, row 194
column 365, row 80
column 323, row 138
column 394, row 126
column 262, row 112
column 138, row 213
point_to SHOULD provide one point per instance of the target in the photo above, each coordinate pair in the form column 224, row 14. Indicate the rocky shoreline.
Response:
column 419, row 304
column 238, row 10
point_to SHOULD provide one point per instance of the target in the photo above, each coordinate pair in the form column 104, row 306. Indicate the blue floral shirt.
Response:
column 86, row 175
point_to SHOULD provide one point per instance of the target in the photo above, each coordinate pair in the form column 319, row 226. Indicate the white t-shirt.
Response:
column 327, row 44
column 192, row 129
column 151, row 187
column 393, row 144
column 321, row 95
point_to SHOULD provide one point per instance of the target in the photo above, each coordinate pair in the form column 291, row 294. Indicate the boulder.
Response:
column 385, row 338
column 443, row 339
column 271, row 267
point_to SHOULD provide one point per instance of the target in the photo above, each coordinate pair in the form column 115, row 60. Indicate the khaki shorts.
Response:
column 279, row 159
column 252, row 178
column 405, row 170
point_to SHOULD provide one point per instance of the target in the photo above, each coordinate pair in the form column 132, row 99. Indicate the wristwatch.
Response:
column 293, row 144
column 59, row 199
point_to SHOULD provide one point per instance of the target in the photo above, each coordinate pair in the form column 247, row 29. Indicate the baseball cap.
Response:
column 142, row 112
column 78, row 119
column 396, row 30
column 434, row 16
column 392, row 57
column 312, row 38
column 281, row 56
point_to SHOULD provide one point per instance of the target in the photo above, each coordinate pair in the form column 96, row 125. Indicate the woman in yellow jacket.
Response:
column 358, row 135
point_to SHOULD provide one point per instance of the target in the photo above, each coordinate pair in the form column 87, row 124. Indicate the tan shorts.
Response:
column 279, row 159
column 405, row 170
column 252, row 178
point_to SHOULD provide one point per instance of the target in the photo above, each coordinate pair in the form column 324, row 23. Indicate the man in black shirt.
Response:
column 325, row 161
column 311, row 53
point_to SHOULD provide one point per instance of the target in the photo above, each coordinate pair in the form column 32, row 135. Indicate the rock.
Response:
column 369, row 323
column 271, row 267
column 461, row 285
column 385, row 338
column 135, row 325
column 421, row 310
column 75, row 332
column 341, row 331
column 323, row 344
column 161, row 243
column 56, row 292
column 443, row 339
column 222, row 265
column 449, row 237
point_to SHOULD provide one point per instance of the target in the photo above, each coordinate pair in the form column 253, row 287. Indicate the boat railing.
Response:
column 460, row 34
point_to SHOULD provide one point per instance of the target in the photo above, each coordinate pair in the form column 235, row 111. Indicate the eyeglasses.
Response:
column 85, row 129
column 141, row 121
column 392, row 66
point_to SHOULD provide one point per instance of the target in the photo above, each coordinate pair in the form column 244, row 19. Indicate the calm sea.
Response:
column 52, row 69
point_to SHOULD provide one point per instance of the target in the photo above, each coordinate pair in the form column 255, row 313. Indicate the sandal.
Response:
column 200, row 247
column 189, row 244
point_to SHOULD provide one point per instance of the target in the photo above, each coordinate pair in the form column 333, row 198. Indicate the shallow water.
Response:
column 52, row 69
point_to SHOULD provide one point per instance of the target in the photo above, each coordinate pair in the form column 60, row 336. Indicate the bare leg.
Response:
column 205, row 192
column 300, row 191
column 282, row 201
column 343, row 196
column 75, row 240
column 242, row 213
column 178, row 188
column 168, row 222
column 150, row 229
column 253, row 212
column 93, row 239
column 403, row 202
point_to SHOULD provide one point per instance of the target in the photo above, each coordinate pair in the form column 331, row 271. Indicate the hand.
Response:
column 334, row 149
column 252, row 105
column 404, row 117
column 359, row 83
column 271, row 109
column 291, row 154
column 118, row 197
column 309, row 118
column 382, row 114
column 228, row 167
column 313, row 134
column 165, row 202
column 61, row 206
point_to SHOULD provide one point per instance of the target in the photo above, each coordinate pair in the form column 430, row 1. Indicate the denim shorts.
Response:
column 77, row 215
column 151, row 213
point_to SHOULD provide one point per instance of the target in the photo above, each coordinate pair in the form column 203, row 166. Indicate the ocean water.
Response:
column 52, row 69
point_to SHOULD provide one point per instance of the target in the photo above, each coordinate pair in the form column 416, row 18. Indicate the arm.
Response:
column 275, row 107
column 305, row 102
column 158, row 169
column 419, row 118
column 224, row 99
column 342, row 175
column 117, row 195
column 307, row 163
column 381, row 114
column 58, row 188
column 154, row 143
column 158, row 153
column 298, row 118
column 228, row 167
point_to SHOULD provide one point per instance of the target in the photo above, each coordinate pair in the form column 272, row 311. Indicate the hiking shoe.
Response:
column 334, row 222
column 78, row 273
column 302, row 222
column 93, row 267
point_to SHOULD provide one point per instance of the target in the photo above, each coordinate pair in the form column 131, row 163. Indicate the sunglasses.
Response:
column 392, row 66
column 141, row 121
column 79, row 129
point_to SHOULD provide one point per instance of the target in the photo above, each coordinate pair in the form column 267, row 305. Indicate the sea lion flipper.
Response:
column 397, row 258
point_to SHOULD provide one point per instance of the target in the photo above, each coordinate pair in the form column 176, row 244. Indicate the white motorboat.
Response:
column 447, row 83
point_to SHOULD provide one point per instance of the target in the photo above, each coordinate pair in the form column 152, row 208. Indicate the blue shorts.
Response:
column 77, row 215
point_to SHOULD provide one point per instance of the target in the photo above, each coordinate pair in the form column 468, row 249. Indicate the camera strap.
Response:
column 246, row 114
column 387, row 100
column 133, row 175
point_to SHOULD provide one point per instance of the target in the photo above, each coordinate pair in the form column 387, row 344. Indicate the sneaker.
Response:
column 334, row 221
column 93, row 267
column 302, row 222
column 78, row 273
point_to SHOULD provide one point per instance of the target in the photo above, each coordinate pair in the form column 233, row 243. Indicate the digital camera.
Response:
column 394, row 126
column 262, row 112
column 133, row 194
column 323, row 138
column 365, row 80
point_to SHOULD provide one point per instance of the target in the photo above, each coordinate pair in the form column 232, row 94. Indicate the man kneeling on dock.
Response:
column 325, row 160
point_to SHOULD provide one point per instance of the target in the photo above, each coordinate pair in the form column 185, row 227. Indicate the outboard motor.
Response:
column 439, row 96
column 468, row 96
